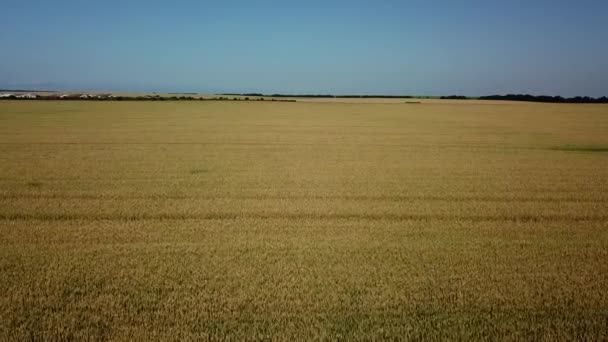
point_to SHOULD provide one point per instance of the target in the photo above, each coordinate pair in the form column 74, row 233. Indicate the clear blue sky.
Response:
column 342, row 47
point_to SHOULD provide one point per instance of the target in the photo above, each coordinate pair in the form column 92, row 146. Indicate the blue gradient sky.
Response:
column 342, row 47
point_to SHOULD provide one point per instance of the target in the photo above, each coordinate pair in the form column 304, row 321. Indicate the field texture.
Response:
column 303, row 221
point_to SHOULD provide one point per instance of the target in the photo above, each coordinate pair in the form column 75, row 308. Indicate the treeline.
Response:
column 545, row 98
column 137, row 98
column 532, row 98
column 327, row 96
column 455, row 97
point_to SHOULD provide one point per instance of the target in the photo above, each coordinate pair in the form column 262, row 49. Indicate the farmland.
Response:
column 320, row 220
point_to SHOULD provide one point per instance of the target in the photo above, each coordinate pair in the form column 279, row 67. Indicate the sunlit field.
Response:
column 313, row 220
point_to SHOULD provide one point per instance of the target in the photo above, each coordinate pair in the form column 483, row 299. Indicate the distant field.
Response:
column 341, row 220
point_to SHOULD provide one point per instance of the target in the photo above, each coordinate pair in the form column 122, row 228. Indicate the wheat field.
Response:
column 319, row 220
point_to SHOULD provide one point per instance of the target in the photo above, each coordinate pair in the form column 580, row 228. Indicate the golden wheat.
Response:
column 314, row 220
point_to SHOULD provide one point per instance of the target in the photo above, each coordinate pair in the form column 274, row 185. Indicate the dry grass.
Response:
column 309, row 220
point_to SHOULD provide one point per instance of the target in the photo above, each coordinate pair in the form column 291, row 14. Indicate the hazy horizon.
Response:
column 471, row 48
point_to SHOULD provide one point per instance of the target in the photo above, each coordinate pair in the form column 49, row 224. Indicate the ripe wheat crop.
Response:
column 320, row 220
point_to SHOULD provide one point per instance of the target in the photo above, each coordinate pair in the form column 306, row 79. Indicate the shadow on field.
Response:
column 588, row 148
column 298, row 216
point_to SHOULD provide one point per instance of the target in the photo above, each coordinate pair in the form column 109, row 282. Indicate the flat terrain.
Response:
column 308, row 220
